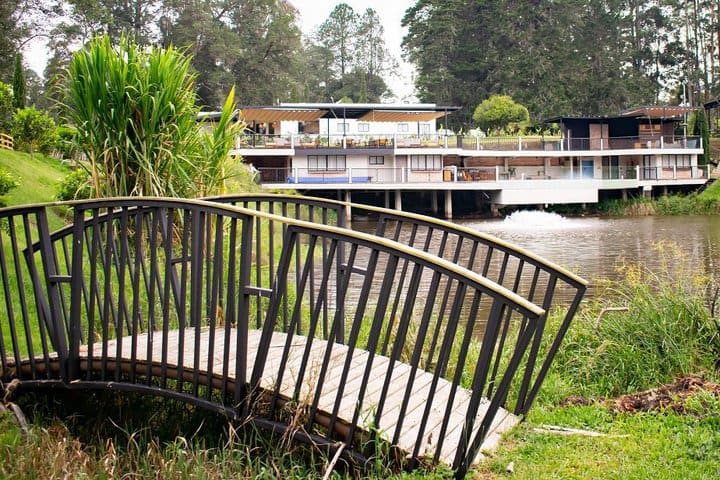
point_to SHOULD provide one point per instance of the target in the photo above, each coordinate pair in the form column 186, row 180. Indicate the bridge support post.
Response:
column 348, row 210
column 448, row 204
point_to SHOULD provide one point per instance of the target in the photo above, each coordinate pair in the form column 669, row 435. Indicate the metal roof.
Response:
column 666, row 112
column 366, row 112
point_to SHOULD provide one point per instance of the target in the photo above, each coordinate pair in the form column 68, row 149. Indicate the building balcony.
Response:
column 463, row 178
column 468, row 145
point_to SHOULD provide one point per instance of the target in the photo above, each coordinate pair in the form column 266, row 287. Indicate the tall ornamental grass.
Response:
column 669, row 329
column 136, row 114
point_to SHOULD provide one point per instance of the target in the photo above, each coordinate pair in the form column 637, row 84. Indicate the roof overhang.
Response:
column 659, row 112
column 366, row 112
column 271, row 114
column 400, row 116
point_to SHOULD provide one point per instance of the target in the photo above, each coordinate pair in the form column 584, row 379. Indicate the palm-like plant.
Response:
column 136, row 114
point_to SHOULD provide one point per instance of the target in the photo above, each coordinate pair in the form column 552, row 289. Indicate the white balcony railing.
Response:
column 391, row 175
column 468, row 143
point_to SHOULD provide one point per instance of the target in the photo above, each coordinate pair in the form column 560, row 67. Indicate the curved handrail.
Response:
column 187, row 296
column 545, row 277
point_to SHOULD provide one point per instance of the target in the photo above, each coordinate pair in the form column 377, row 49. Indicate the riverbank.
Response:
column 640, row 332
column 670, row 328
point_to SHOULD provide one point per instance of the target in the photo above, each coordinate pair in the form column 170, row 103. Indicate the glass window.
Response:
column 425, row 162
column 403, row 128
column 425, row 128
column 326, row 163
column 363, row 127
column 376, row 160
column 343, row 127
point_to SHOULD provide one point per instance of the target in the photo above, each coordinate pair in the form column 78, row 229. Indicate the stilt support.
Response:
column 448, row 204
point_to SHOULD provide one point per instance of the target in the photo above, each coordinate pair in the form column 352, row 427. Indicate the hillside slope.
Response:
column 37, row 178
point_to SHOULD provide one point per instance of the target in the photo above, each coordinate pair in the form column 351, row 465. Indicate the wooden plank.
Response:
column 340, row 355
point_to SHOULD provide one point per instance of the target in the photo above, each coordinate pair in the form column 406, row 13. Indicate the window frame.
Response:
column 326, row 163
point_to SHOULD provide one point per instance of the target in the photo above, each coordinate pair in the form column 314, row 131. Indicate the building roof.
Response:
column 366, row 112
column 662, row 112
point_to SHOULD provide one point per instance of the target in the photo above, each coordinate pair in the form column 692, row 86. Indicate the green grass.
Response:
column 661, row 445
column 37, row 178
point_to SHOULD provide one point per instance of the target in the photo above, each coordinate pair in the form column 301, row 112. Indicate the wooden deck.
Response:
column 379, row 370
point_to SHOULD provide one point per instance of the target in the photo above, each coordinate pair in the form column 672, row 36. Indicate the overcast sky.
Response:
column 314, row 12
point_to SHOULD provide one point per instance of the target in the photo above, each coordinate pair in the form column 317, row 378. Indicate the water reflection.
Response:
column 594, row 247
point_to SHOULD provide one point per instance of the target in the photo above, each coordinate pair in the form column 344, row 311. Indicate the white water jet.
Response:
column 535, row 219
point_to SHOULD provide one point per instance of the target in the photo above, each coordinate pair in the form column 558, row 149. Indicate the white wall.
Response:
column 331, row 126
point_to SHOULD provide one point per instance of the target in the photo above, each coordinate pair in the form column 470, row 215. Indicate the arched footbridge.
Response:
column 265, row 308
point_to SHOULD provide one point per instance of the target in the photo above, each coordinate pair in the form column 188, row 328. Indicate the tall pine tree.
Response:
column 19, row 84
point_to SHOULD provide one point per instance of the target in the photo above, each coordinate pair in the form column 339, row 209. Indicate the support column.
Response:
column 387, row 198
column 448, row 204
column 624, row 194
column 665, row 191
column 348, row 210
column 494, row 210
column 434, row 201
column 398, row 200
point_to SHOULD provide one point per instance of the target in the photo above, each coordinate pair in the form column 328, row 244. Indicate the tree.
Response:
column 33, row 129
column 6, row 107
column 701, row 128
column 18, row 84
column 498, row 112
column 351, row 50
column 337, row 34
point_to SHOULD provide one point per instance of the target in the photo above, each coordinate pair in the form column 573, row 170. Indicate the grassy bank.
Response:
column 669, row 329
column 666, row 326
column 37, row 179
column 706, row 202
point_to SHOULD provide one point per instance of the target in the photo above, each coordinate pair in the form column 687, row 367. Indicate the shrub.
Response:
column 75, row 186
column 135, row 109
column 33, row 129
column 667, row 330
column 66, row 143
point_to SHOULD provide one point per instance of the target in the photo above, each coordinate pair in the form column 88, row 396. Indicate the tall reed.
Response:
column 137, row 119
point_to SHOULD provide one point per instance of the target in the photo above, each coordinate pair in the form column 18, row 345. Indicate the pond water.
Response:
column 593, row 247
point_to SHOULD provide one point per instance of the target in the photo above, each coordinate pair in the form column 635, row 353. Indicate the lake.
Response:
column 593, row 247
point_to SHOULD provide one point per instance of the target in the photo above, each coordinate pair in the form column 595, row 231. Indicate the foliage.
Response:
column 701, row 128
column 667, row 330
column 6, row 108
column 496, row 113
column 352, row 50
column 37, row 178
column 107, row 435
column 7, row 182
column 33, row 129
column 569, row 57
column 18, row 84
column 66, row 144
column 704, row 203
column 135, row 110
column 75, row 186
column 661, row 446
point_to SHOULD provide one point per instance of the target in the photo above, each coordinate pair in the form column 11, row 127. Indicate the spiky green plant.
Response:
column 136, row 114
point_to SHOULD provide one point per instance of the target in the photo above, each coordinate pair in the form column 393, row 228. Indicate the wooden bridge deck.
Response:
column 379, row 370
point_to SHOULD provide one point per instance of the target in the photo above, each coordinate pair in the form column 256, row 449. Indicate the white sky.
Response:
column 311, row 14
column 314, row 12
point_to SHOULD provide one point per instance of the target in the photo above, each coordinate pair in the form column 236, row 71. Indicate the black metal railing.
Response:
column 265, row 314
column 534, row 278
